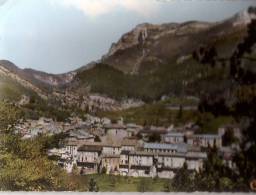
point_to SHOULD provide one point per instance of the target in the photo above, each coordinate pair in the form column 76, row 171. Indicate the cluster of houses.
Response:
column 125, row 149
column 33, row 128
column 97, row 145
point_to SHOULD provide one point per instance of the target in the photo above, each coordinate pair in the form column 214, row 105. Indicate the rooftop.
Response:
column 152, row 131
column 114, row 126
column 196, row 155
column 80, row 134
column 90, row 148
column 129, row 142
column 160, row 146
column 174, row 134
column 207, row 136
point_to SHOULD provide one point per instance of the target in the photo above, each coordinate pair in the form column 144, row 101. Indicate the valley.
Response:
column 169, row 104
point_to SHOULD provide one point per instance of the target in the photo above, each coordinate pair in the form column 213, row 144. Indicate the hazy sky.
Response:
column 61, row 35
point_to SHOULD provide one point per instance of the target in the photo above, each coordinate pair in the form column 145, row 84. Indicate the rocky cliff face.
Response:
column 157, row 44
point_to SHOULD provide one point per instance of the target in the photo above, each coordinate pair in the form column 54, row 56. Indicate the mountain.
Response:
column 152, row 61
column 148, row 45
column 14, row 82
column 39, row 78
column 147, row 63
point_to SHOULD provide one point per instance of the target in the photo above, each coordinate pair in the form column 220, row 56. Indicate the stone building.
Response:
column 116, row 131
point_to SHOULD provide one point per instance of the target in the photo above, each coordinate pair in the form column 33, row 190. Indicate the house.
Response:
column 163, row 165
column 157, row 147
column 88, row 158
column 133, row 129
column 168, row 164
column 205, row 140
column 129, row 144
column 141, row 164
column 71, row 148
column 110, row 163
column 124, row 163
column 116, row 131
column 105, row 121
column 111, row 149
column 195, row 160
column 58, row 152
column 81, row 135
column 173, row 137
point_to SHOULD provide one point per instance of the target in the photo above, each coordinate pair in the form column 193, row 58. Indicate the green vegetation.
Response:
column 108, row 183
column 241, row 106
column 158, row 114
column 38, row 108
column 210, row 124
column 188, row 78
column 154, row 80
column 152, row 114
column 25, row 166
column 214, row 177
column 229, row 138
column 11, row 90
column 177, row 101
column 23, row 163
column 183, row 180
column 93, row 187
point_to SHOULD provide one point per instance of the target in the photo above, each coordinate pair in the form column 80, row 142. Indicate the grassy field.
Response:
column 107, row 183
column 159, row 115
column 153, row 114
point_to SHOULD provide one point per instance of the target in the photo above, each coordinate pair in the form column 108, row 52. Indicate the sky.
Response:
column 58, row 36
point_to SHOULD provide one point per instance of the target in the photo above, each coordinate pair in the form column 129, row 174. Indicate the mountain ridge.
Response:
column 149, row 55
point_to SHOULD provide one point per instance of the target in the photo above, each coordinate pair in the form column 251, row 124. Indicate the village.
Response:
column 96, row 145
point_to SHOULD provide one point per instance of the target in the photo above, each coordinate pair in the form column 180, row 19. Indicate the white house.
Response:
column 195, row 160
column 88, row 158
column 141, row 164
column 167, row 164
column 205, row 140
column 111, row 149
column 71, row 148
column 173, row 138
column 124, row 163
